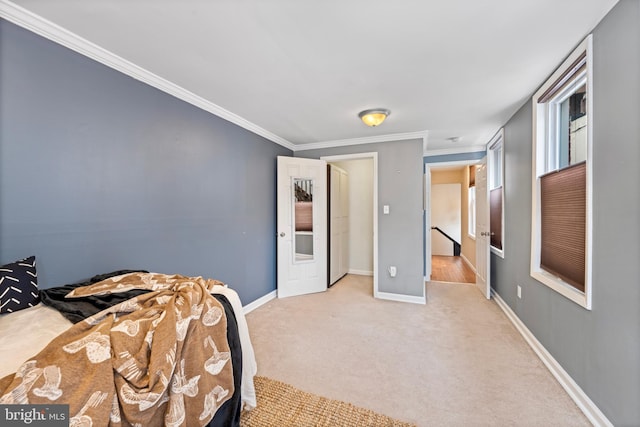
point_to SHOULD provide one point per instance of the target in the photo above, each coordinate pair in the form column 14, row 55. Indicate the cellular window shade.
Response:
column 563, row 204
column 495, row 217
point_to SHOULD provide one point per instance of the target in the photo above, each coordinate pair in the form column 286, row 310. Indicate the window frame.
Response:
column 540, row 163
column 497, row 143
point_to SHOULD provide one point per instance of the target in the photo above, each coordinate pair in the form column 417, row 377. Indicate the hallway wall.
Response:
column 459, row 175
column 599, row 348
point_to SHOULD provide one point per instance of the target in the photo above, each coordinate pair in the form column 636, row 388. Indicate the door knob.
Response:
column 282, row 234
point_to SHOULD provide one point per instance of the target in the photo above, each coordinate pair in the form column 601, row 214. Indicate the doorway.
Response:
column 450, row 244
column 362, row 169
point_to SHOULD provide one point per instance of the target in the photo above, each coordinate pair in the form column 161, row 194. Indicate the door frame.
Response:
column 374, row 157
column 428, row 167
column 483, row 234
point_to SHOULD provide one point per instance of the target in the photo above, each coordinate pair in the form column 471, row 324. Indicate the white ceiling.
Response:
column 302, row 70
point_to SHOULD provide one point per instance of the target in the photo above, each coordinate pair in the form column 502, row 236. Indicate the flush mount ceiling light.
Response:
column 374, row 117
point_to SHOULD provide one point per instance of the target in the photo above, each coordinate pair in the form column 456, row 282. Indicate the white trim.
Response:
column 360, row 272
column 496, row 251
column 586, row 405
column 365, row 140
column 259, row 302
column 401, row 298
column 426, row 219
column 51, row 31
column 374, row 156
column 471, row 266
column 57, row 34
column 538, row 162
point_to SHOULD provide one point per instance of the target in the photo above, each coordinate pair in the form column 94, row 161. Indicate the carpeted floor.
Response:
column 456, row 361
column 283, row 405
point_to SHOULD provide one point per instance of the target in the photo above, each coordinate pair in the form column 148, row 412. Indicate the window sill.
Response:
column 499, row 252
column 562, row 288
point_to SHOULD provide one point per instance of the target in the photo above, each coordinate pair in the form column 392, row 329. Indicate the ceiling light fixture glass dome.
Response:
column 374, row 117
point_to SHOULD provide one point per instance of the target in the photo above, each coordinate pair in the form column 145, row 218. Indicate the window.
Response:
column 561, row 190
column 496, row 192
column 471, row 201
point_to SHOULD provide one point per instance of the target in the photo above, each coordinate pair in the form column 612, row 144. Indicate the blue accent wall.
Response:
column 456, row 157
column 100, row 172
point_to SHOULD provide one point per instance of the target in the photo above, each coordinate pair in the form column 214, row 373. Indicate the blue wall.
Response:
column 456, row 157
column 599, row 348
column 100, row 172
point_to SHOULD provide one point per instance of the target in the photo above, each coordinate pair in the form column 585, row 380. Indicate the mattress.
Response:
column 25, row 333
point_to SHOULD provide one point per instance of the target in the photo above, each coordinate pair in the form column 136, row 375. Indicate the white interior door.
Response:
column 427, row 222
column 338, row 223
column 301, row 226
column 483, row 235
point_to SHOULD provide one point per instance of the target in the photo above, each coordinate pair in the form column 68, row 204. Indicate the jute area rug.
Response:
column 281, row 404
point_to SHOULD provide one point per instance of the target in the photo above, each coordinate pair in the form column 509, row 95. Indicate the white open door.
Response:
column 426, row 202
column 302, row 226
column 483, row 234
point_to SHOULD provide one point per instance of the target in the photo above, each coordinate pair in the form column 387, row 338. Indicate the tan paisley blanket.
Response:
column 161, row 358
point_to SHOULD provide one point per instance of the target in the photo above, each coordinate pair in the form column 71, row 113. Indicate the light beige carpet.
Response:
column 456, row 361
column 283, row 405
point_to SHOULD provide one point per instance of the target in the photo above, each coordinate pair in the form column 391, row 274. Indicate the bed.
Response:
column 130, row 347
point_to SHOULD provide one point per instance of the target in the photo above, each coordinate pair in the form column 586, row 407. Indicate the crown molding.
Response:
column 365, row 140
column 47, row 29
column 55, row 33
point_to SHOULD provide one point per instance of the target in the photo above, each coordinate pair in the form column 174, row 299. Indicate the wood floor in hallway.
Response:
column 451, row 269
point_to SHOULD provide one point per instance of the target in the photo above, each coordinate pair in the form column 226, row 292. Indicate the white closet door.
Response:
column 344, row 223
column 338, row 223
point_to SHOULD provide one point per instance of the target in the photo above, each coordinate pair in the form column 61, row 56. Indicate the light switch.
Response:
column 385, row 209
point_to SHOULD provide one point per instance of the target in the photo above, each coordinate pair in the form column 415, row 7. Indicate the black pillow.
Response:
column 18, row 285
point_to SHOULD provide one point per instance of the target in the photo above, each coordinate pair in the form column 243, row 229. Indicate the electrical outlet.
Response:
column 519, row 292
column 392, row 271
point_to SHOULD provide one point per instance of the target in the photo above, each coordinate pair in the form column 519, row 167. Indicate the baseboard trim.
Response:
column 401, row 298
column 586, row 405
column 361, row 272
column 260, row 301
column 471, row 266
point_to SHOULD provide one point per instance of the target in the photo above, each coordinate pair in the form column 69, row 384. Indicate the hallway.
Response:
column 451, row 269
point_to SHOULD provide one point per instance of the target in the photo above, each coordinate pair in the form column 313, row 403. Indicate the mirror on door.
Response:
column 303, row 219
